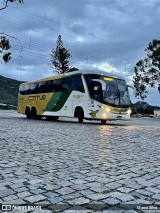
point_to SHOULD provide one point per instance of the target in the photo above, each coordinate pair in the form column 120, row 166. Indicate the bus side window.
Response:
column 49, row 86
column 21, row 89
column 76, row 83
column 40, row 87
column 34, row 88
column 65, row 84
column 56, row 86
column 45, row 87
column 27, row 89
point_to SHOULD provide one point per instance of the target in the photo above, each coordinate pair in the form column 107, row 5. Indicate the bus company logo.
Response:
column 37, row 97
column 93, row 113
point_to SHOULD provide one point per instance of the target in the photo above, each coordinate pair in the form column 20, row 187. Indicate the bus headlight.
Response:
column 129, row 111
column 108, row 109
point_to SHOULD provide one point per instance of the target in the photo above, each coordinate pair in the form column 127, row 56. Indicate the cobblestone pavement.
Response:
column 64, row 162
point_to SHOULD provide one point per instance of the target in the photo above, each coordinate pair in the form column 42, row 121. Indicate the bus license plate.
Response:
column 119, row 117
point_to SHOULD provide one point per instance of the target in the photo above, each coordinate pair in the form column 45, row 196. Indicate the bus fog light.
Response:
column 129, row 111
column 104, row 116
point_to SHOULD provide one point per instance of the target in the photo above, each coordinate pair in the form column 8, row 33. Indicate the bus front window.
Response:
column 108, row 90
column 123, row 92
column 110, row 95
column 116, row 93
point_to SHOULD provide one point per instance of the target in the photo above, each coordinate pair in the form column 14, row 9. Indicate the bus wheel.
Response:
column 34, row 114
column 28, row 113
column 103, row 121
column 80, row 115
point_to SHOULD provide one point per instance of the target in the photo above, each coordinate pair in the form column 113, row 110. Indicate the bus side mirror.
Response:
column 102, row 83
column 96, row 88
column 133, row 88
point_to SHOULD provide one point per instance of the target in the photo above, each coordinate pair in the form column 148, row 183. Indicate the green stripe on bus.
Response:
column 57, row 101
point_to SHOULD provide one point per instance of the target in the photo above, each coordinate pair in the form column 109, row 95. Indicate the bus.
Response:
column 90, row 95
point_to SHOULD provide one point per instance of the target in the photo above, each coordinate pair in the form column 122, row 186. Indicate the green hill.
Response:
column 142, row 107
column 9, row 90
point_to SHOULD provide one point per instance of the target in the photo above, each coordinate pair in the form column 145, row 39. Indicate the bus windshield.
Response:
column 108, row 90
column 116, row 92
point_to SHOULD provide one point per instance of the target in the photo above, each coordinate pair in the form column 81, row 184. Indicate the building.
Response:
column 157, row 112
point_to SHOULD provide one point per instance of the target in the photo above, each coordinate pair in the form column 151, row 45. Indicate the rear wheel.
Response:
column 28, row 113
column 103, row 121
column 34, row 114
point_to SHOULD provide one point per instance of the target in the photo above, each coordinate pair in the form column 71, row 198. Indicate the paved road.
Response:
column 64, row 162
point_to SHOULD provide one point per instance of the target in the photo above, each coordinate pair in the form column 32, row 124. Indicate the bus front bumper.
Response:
column 115, row 115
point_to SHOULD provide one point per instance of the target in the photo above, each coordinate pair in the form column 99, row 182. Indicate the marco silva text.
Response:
column 148, row 207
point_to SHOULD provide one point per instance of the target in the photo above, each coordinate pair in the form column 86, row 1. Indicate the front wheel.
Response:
column 80, row 116
column 103, row 121
column 34, row 114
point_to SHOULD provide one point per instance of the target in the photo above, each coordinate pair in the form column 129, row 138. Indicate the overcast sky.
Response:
column 110, row 35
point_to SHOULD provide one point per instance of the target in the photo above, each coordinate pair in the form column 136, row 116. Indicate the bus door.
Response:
column 96, row 95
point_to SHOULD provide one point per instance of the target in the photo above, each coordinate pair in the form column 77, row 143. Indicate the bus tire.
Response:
column 28, row 113
column 34, row 114
column 103, row 121
column 80, row 115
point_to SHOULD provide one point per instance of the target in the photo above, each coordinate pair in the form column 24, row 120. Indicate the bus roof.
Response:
column 98, row 72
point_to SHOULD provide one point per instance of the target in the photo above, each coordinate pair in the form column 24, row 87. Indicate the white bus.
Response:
column 90, row 95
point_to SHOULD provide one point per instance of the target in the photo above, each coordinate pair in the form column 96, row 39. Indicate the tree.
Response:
column 5, row 55
column 4, row 47
column 60, row 56
column 147, row 70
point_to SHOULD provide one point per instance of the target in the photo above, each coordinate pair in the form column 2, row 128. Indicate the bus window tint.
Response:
column 76, row 83
column 111, row 93
column 68, row 84
column 34, row 88
column 57, row 85
column 27, row 89
column 45, row 87
column 91, row 84
column 22, row 89
column 49, row 86
column 65, row 86
column 123, row 92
